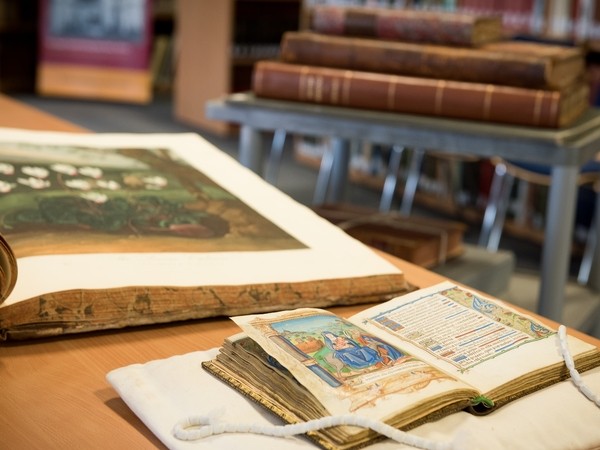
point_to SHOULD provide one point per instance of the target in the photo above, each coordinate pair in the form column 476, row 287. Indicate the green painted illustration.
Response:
column 88, row 200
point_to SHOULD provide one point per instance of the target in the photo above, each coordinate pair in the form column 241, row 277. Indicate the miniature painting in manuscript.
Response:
column 362, row 366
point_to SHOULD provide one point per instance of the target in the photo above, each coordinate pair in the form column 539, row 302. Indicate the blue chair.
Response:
column 505, row 174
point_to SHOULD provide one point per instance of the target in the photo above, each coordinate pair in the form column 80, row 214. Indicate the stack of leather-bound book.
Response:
column 435, row 63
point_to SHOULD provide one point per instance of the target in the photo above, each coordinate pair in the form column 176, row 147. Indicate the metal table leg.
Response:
column 324, row 177
column 251, row 151
column 391, row 179
column 560, row 215
column 593, row 277
column 333, row 172
column 412, row 181
column 495, row 211
column 275, row 156
column 339, row 169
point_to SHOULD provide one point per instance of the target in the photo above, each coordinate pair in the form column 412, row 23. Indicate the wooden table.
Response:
column 15, row 114
column 566, row 150
column 53, row 392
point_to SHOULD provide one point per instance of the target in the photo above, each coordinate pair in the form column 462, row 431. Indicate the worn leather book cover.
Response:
column 421, row 96
column 513, row 63
column 424, row 241
column 116, row 230
column 409, row 25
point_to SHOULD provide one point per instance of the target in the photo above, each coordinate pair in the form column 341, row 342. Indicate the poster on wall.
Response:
column 95, row 49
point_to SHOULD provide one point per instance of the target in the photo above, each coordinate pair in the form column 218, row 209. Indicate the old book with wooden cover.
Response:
column 423, row 241
column 512, row 63
column 408, row 25
column 418, row 95
column 118, row 230
column 414, row 359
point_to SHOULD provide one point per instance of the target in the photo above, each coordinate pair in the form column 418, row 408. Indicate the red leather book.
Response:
column 409, row 25
column 513, row 63
column 415, row 95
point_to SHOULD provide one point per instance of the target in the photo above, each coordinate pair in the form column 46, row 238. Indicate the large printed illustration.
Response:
column 78, row 200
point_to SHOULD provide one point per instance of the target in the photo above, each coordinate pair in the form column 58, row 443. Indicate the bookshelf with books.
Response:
column 218, row 42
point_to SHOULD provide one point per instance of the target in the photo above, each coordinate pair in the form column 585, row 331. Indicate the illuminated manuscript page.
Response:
column 477, row 339
column 348, row 370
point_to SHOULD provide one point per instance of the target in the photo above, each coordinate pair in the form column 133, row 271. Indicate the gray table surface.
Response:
column 566, row 149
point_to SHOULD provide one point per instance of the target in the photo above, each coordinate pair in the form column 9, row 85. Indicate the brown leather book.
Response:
column 513, row 63
column 423, row 241
column 417, row 95
column 441, row 27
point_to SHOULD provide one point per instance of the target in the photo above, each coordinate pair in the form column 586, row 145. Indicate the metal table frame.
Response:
column 566, row 149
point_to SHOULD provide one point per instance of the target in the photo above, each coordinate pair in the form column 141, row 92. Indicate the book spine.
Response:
column 450, row 63
column 411, row 95
column 396, row 24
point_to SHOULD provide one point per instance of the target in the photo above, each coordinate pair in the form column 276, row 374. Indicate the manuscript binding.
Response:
column 423, row 241
column 116, row 230
column 438, row 27
column 413, row 359
column 419, row 95
column 511, row 63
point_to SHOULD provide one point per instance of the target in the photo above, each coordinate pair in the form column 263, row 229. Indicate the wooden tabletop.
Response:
column 53, row 392
column 15, row 114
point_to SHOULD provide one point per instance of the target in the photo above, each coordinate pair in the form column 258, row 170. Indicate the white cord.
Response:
column 198, row 427
column 575, row 377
